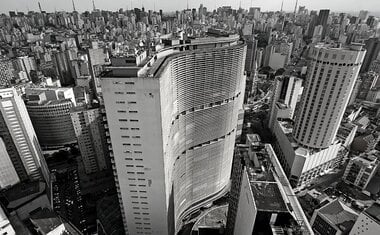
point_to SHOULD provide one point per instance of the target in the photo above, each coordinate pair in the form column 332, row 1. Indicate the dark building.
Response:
column 373, row 48
column 66, row 194
column 323, row 16
column 109, row 220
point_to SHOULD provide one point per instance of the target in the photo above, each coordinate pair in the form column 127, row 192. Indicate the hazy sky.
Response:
column 171, row 5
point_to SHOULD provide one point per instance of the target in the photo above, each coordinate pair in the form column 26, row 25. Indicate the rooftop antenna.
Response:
column 240, row 5
column 93, row 5
column 73, row 5
column 187, row 5
column 295, row 7
column 282, row 5
column 154, row 6
column 39, row 6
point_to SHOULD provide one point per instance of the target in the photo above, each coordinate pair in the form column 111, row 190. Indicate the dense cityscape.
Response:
column 194, row 122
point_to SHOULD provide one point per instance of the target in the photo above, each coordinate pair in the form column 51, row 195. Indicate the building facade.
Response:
column 20, row 150
column 91, row 137
column 361, row 169
column 173, row 123
column 331, row 77
column 286, row 91
column 52, row 122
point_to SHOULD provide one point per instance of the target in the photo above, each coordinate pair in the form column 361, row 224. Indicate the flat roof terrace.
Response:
column 268, row 197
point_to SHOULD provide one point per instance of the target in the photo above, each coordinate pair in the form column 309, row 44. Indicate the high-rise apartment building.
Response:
column 331, row 77
column 21, row 157
column 173, row 120
column 308, row 146
column 25, row 64
column 323, row 17
column 91, row 137
column 372, row 46
column 286, row 91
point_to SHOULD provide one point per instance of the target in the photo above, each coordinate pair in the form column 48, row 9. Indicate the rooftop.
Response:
column 268, row 197
column 270, row 187
column 374, row 211
column 151, row 66
column 46, row 220
column 339, row 214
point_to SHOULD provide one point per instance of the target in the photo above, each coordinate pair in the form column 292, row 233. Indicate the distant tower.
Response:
column 282, row 5
column 74, row 6
column 39, row 6
column 295, row 7
column 93, row 5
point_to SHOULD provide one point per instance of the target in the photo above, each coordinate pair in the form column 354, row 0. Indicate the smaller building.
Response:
column 368, row 222
column 47, row 222
column 24, row 198
column 5, row 226
column 262, row 200
column 334, row 218
column 361, row 169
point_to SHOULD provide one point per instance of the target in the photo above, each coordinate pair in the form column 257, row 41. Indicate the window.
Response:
column 121, row 111
column 119, row 92
column 120, row 102
column 123, row 120
column 134, row 120
column 131, row 102
column 130, row 92
column 133, row 111
column 129, row 83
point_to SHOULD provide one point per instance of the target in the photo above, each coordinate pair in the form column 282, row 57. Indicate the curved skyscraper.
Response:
column 331, row 78
column 173, row 119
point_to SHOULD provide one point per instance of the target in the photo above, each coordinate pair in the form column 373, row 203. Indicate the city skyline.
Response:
column 351, row 6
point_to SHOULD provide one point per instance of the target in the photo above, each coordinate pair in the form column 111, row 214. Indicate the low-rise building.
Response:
column 334, row 218
column 361, row 169
column 368, row 222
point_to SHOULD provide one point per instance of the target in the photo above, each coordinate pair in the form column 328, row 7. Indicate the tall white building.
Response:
column 331, row 77
column 286, row 92
column 309, row 146
column 20, row 152
column 173, row 120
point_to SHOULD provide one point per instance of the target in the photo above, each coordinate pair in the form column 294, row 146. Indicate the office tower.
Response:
column 323, row 17
column 173, row 120
column 331, row 77
column 361, row 169
column 90, row 134
column 19, row 147
column 264, row 202
column 50, row 116
column 25, row 64
column 363, row 16
column 372, row 46
column 62, row 66
column 251, row 54
column 368, row 222
column 286, row 91
column 369, row 81
column 5, row 72
column 330, row 218
column 309, row 146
